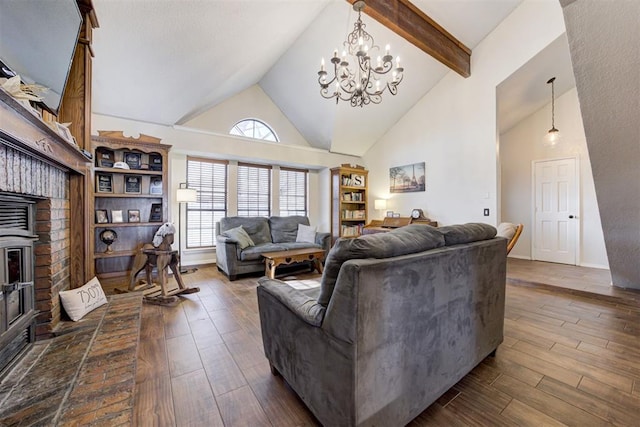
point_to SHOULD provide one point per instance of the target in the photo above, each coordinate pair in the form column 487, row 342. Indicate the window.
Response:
column 252, row 128
column 209, row 178
column 293, row 192
column 254, row 190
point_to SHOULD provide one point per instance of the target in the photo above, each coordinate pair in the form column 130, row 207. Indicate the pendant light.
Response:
column 552, row 137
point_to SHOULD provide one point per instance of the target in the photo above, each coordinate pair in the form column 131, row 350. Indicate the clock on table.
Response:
column 417, row 214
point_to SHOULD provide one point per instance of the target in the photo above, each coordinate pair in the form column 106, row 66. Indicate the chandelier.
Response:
column 552, row 137
column 361, row 84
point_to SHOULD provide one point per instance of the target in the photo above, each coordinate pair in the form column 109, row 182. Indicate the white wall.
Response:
column 252, row 103
column 186, row 141
column 521, row 145
column 453, row 127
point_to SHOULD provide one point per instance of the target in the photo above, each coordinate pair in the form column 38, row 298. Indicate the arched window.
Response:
column 252, row 128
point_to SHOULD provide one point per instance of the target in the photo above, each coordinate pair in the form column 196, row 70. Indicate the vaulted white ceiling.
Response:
column 168, row 61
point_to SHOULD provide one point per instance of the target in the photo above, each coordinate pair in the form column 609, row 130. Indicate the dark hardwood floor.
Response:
column 567, row 359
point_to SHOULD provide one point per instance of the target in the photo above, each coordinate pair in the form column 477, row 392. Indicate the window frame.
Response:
column 250, row 119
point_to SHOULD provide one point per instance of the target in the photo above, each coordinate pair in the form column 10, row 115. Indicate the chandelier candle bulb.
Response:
column 322, row 64
column 387, row 49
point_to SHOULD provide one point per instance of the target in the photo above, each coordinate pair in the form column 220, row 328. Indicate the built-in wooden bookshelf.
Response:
column 348, row 200
column 132, row 202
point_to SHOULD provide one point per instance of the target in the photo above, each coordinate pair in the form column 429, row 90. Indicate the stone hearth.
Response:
column 83, row 376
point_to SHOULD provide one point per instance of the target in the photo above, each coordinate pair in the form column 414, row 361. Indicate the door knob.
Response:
column 570, row 216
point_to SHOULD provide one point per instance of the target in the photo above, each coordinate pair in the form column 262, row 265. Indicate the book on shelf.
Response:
column 353, row 180
column 351, row 230
column 353, row 197
column 353, row 214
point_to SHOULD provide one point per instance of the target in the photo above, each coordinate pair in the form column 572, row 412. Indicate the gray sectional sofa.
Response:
column 267, row 235
column 398, row 319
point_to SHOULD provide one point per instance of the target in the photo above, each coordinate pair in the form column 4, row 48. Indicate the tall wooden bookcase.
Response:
column 139, row 194
column 348, row 200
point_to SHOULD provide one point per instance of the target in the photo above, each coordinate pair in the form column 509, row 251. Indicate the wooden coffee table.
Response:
column 277, row 258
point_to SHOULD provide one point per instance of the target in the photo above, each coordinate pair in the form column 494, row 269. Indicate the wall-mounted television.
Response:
column 37, row 42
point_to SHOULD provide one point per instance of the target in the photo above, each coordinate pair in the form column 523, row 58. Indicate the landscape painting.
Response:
column 407, row 179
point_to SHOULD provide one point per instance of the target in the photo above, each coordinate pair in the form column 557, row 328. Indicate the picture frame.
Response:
column 155, row 185
column 155, row 162
column 102, row 216
column 155, row 215
column 104, row 183
column 116, row 216
column 132, row 184
column 134, row 215
column 396, row 214
column 104, row 157
column 133, row 159
column 389, row 214
column 408, row 178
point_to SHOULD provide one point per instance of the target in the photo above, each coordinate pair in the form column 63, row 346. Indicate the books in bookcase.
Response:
column 353, row 180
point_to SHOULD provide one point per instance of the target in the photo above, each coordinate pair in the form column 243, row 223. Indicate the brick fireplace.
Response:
column 40, row 166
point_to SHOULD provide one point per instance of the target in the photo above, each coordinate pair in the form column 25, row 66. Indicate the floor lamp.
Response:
column 183, row 195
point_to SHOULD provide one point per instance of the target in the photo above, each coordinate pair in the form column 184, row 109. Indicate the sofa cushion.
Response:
column 285, row 228
column 400, row 241
column 467, row 233
column 240, row 236
column 253, row 253
column 306, row 233
column 256, row 227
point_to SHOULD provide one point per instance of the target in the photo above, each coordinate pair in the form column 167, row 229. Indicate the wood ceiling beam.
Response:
column 405, row 19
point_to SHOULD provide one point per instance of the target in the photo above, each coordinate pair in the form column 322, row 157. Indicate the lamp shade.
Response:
column 380, row 204
column 184, row 195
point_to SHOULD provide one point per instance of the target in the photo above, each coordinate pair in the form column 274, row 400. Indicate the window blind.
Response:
column 254, row 190
column 209, row 178
column 293, row 191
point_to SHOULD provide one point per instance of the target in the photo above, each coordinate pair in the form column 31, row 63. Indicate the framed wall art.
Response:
column 407, row 179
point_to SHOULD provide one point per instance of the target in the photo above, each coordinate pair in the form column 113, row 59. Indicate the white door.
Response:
column 555, row 211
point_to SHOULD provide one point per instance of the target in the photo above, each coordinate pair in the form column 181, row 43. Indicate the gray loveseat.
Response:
column 398, row 319
column 268, row 234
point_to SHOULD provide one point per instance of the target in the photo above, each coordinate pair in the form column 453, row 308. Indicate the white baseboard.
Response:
column 528, row 258
column 600, row 266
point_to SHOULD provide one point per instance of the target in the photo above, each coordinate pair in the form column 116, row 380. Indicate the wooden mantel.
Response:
column 29, row 133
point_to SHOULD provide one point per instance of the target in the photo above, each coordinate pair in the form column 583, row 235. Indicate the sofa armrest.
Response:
column 324, row 240
column 302, row 305
column 226, row 254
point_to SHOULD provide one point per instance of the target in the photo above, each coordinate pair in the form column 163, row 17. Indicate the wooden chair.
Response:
column 511, row 232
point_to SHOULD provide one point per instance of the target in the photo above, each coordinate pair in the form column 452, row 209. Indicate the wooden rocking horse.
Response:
column 160, row 255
